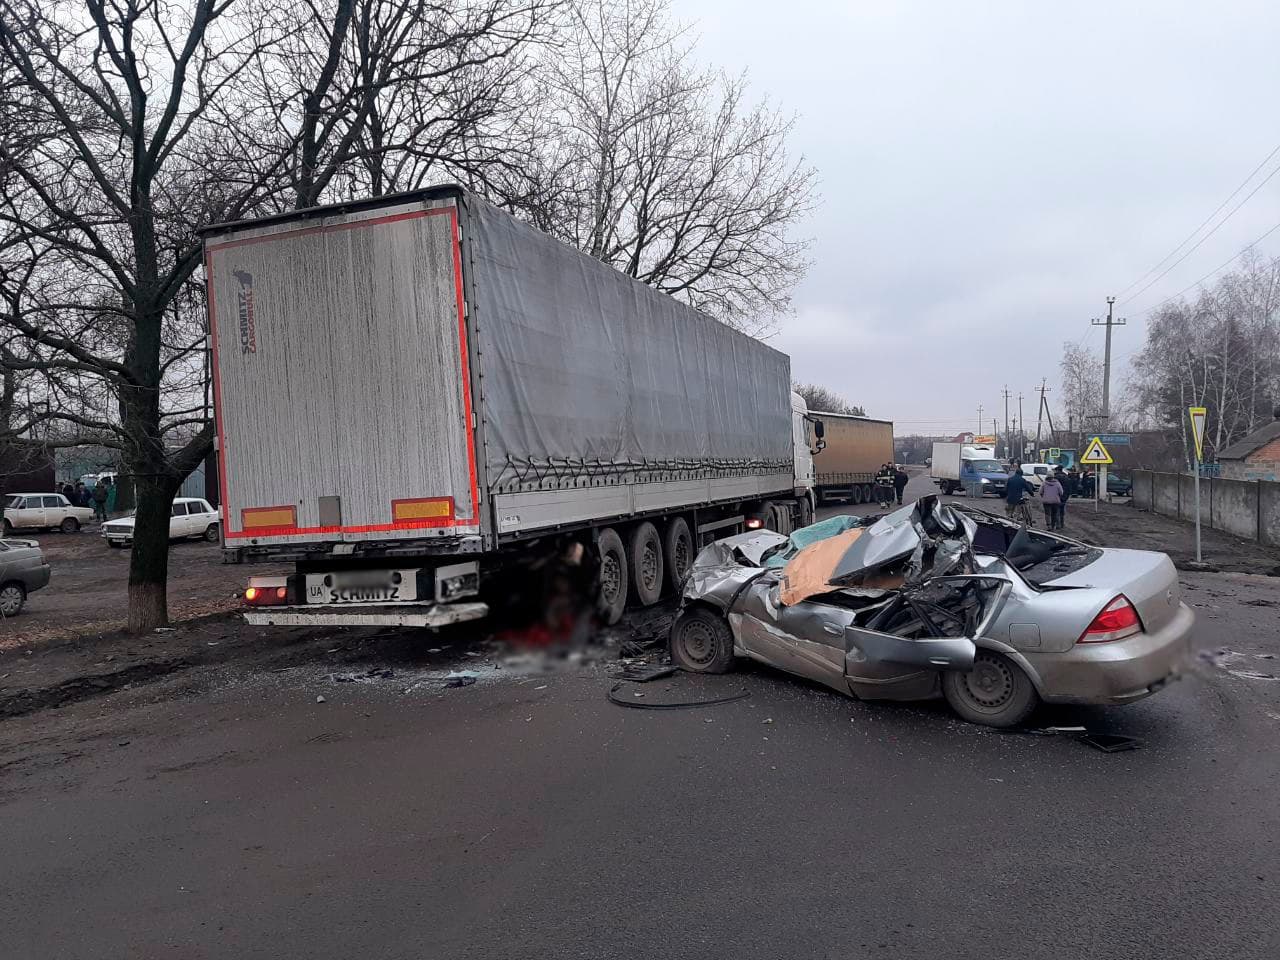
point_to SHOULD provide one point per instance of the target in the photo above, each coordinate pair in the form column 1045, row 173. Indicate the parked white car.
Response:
column 189, row 517
column 43, row 511
column 1036, row 472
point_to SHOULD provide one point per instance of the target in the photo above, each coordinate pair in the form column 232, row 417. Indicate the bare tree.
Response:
column 828, row 401
column 1219, row 351
column 665, row 170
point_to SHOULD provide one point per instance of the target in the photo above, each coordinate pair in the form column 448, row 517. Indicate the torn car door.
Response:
column 899, row 651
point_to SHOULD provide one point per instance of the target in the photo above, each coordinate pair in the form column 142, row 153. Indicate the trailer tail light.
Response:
column 754, row 523
column 1117, row 620
column 267, row 592
column 423, row 510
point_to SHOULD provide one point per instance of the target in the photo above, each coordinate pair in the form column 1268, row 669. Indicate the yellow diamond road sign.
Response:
column 1096, row 453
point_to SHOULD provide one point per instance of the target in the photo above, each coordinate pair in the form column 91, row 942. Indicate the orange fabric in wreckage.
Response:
column 808, row 573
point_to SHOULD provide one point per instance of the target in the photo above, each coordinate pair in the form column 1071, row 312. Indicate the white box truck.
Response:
column 414, row 389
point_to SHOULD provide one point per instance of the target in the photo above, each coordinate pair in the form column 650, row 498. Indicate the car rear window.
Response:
column 53, row 501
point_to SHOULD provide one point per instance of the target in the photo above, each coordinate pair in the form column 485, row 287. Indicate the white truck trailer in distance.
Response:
column 412, row 390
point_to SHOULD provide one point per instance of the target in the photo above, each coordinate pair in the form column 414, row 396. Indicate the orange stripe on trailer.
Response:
column 422, row 508
column 275, row 518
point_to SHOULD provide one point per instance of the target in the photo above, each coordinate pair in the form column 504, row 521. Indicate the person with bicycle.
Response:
column 1017, row 490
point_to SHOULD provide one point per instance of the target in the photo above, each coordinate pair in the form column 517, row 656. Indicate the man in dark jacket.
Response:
column 884, row 485
column 1067, row 492
column 900, row 480
column 100, row 501
column 1015, row 488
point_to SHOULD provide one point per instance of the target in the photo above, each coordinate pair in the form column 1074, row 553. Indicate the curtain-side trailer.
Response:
column 413, row 389
column 854, row 448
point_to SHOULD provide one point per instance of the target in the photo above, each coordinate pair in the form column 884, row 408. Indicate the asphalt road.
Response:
column 527, row 816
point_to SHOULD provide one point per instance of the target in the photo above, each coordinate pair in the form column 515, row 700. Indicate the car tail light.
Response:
column 267, row 592
column 1117, row 620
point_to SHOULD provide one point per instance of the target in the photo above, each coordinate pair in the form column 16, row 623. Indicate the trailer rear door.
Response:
column 341, row 377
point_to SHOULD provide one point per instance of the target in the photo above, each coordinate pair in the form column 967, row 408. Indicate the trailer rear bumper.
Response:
column 441, row 615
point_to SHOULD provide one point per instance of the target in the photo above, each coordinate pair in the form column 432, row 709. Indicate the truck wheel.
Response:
column 613, row 576
column 645, row 559
column 806, row 512
column 701, row 642
column 868, row 493
column 782, row 519
column 856, row 495
column 678, row 552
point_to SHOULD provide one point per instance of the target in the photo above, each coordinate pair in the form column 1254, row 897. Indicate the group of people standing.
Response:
column 1055, row 490
column 891, row 480
column 100, row 498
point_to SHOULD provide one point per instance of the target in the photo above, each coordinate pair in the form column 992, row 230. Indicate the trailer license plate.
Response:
column 363, row 586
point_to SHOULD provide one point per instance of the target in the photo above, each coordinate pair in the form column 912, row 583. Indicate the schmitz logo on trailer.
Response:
column 248, row 330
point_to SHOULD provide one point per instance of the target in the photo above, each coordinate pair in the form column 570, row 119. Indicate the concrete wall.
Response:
column 1187, row 498
column 1143, row 489
column 1245, row 508
column 1235, row 507
column 1164, row 500
column 1269, row 513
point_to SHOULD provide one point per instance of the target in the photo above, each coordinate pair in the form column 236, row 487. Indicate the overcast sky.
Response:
column 991, row 171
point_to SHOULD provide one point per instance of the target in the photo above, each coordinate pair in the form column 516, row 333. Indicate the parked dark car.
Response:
column 23, row 568
column 1119, row 486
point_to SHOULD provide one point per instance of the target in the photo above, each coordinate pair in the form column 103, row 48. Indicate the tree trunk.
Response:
column 149, row 564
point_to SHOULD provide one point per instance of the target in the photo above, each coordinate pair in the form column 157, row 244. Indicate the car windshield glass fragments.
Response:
column 822, row 530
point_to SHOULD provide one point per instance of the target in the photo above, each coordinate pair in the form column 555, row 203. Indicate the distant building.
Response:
column 1256, row 457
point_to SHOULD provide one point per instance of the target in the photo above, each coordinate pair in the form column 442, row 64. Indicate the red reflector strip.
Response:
column 262, row 518
column 424, row 509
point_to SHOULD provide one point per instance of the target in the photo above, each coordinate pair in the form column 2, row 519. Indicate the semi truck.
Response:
column 414, row 392
column 852, row 450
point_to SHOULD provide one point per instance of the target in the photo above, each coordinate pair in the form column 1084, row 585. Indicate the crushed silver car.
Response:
column 939, row 598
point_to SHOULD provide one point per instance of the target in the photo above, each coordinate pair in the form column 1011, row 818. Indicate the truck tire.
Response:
column 613, row 576
column 782, row 519
column 856, row 495
column 644, row 557
column 677, row 549
column 868, row 493
column 806, row 512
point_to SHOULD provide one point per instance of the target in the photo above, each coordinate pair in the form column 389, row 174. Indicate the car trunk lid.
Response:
column 1148, row 579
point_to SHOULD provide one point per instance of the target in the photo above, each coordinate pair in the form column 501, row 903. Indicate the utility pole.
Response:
column 1006, row 420
column 1040, row 412
column 1106, row 382
column 1020, row 427
column 979, row 418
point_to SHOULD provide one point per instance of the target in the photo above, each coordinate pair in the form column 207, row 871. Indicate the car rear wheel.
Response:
column 12, row 597
column 211, row 533
column 613, row 576
column 69, row 525
column 701, row 642
column 8, row 529
column 995, row 693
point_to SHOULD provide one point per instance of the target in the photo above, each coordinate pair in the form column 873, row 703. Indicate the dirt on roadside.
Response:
column 88, row 593
column 1122, row 525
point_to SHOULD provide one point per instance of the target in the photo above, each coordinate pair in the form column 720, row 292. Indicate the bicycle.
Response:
column 1022, row 513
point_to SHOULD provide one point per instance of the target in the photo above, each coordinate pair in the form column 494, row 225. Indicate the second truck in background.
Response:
column 853, row 449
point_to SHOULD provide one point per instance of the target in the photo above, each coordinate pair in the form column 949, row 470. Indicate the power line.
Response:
column 1192, row 249
column 1252, row 174
column 1222, row 266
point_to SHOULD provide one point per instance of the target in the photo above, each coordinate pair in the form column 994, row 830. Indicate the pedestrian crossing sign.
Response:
column 1096, row 454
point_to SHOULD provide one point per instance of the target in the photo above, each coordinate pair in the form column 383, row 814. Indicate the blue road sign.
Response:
column 1114, row 439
